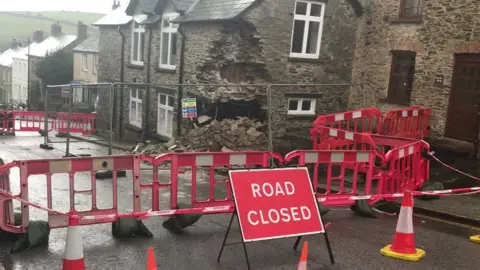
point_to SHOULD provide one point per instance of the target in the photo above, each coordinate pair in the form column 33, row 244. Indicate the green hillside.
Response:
column 21, row 25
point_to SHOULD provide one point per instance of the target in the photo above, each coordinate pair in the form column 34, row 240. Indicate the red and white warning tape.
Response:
column 38, row 206
column 445, row 192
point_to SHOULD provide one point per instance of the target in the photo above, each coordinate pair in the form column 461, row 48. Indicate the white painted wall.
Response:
column 19, row 80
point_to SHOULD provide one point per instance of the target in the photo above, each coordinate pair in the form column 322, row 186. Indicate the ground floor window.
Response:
column 301, row 106
column 165, row 114
column 135, row 108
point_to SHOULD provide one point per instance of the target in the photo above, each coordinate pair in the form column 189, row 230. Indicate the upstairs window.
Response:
column 138, row 43
column 168, row 43
column 85, row 62
column 401, row 77
column 307, row 29
column 95, row 63
column 411, row 9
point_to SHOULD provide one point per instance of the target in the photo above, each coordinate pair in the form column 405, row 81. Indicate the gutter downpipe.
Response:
column 147, row 103
column 122, row 79
column 181, row 71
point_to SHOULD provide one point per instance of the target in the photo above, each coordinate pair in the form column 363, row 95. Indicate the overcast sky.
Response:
column 97, row 6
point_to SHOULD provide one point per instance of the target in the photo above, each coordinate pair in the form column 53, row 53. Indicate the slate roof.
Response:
column 182, row 5
column 52, row 44
column 6, row 59
column 90, row 45
column 116, row 17
column 208, row 10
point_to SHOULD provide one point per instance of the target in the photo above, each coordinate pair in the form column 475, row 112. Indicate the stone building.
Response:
column 213, row 47
column 420, row 52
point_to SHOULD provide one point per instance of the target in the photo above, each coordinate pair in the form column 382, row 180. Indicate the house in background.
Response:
column 237, row 41
column 20, row 66
column 424, row 53
column 85, row 71
column 6, row 60
column 24, row 72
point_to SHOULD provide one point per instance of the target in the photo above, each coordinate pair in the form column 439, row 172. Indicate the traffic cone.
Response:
column 403, row 246
column 151, row 264
column 475, row 239
column 302, row 264
column 73, row 258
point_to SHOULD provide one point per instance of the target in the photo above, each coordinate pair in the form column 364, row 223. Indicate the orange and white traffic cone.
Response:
column 151, row 263
column 403, row 246
column 302, row 264
column 73, row 258
column 475, row 239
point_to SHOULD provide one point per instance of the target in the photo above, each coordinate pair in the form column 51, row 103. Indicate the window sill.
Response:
column 165, row 70
column 394, row 102
column 134, row 128
column 301, row 116
column 137, row 66
column 407, row 20
column 308, row 60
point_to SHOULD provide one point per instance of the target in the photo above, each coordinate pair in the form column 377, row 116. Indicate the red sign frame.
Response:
column 275, row 203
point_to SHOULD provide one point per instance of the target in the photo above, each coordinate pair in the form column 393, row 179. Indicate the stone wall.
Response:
column 444, row 27
column 109, row 63
column 260, row 43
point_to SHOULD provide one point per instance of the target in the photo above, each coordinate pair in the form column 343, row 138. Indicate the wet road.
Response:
column 356, row 241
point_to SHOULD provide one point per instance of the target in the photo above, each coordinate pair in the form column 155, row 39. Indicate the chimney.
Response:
column 115, row 4
column 14, row 44
column 38, row 36
column 81, row 31
column 56, row 29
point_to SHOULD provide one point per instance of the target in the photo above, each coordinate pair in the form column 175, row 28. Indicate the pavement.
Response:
column 356, row 241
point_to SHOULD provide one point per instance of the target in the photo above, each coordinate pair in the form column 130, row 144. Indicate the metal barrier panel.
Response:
column 364, row 120
column 29, row 121
column 409, row 122
column 338, row 166
column 195, row 165
column 71, row 166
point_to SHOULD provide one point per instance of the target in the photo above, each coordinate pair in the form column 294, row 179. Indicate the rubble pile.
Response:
column 227, row 135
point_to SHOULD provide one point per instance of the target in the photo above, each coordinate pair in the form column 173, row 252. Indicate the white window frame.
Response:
column 140, row 29
column 139, row 114
column 299, row 110
column 84, row 62
column 166, row 108
column 308, row 19
column 171, row 29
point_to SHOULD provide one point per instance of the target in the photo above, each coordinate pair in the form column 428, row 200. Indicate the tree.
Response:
column 56, row 68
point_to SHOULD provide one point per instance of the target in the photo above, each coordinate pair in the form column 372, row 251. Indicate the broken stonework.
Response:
column 240, row 134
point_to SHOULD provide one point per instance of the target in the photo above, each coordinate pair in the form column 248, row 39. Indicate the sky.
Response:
column 96, row 6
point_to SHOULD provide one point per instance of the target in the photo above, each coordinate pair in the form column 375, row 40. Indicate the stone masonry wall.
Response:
column 109, row 63
column 445, row 26
column 109, row 60
column 261, row 41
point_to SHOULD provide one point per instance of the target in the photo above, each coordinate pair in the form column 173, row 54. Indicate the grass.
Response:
column 21, row 25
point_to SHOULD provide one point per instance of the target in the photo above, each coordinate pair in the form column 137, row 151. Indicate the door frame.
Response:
column 457, row 58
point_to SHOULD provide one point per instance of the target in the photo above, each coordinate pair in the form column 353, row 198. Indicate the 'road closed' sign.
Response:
column 275, row 203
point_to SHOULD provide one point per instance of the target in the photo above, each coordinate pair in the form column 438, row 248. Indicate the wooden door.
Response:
column 464, row 96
